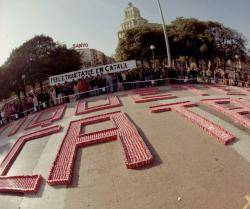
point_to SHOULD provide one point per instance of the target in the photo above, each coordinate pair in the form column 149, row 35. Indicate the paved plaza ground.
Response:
column 191, row 169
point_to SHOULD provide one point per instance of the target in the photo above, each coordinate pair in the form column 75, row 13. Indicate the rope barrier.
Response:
column 152, row 81
column 108, row 88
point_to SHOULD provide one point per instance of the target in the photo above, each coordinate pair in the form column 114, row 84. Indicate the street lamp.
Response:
column 165, row 34
column 238, row 63
column 152, row 47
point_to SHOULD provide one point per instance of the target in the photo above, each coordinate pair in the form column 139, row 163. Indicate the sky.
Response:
column 98, row 21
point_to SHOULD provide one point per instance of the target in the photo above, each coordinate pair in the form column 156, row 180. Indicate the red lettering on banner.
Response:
column 135, row 150
column 80, row 45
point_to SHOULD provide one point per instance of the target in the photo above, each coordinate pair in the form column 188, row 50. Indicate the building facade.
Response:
column 93, row 57
column 133, row 19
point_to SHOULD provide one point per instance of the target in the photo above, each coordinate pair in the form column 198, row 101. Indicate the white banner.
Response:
column 94, row 71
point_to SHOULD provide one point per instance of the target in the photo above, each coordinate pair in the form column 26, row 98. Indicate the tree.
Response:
column 37, row 59
column 136, row 44
column 190, row 38
column 187, row 38
column 228, row 42
column 59, row 60
column 4, row 93
column 64, row 60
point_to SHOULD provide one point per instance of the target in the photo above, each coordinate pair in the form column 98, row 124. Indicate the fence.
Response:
column 115, row 87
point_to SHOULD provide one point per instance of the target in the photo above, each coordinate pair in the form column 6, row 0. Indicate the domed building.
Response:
column 133, row 19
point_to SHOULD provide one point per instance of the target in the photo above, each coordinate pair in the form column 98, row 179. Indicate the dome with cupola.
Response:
column 133, row 19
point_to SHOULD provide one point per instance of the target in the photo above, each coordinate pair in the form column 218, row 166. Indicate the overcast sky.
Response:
column 97, row 21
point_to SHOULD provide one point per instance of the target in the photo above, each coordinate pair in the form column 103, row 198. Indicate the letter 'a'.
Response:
column 136, row 152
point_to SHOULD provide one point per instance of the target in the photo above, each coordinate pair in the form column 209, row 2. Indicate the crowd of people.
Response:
column 102, row 84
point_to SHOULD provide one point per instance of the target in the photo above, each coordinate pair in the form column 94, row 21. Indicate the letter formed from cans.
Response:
column 136, row 152
column 24, row 183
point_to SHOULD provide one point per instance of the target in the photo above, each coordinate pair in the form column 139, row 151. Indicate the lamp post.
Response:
column 238, row 63
column 152, row 47
column 165, row 34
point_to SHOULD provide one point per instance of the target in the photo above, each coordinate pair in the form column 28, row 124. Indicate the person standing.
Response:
column 129, row 80
column 35, row 103
column 58, row 89
column 124, row 80
column 53, row 96
column 45, row 99
column 66, row 92
column 1, row 119
column 109, row 82
column 203, row 75
column 208, row 75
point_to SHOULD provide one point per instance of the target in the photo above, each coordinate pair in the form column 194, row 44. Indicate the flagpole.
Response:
column 165, row 34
